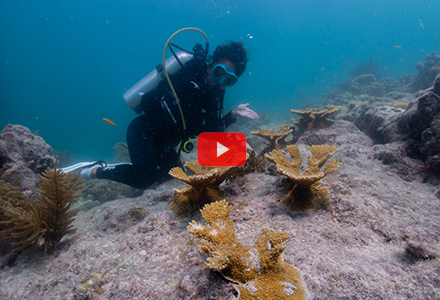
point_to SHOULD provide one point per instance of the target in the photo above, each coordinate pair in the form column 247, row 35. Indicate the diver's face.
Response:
column 226, row 62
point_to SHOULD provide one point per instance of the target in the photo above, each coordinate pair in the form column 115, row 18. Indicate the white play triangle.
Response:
column 221, row 149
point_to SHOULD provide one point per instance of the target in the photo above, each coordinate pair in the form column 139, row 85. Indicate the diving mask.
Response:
column 223, row 75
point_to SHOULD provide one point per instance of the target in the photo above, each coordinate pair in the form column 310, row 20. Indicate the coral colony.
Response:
column 305, row 191
column 203, row 187
column 260, row 274
column 25, row 221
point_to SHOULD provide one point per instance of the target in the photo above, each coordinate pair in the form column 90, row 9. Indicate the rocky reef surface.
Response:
column 378, row 237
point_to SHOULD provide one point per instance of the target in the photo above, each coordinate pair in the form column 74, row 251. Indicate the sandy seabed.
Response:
column 377, row 238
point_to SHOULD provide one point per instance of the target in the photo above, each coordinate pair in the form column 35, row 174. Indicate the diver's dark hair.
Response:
column 235, row 52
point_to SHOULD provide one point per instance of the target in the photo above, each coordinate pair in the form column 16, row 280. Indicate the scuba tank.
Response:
column 133, row 96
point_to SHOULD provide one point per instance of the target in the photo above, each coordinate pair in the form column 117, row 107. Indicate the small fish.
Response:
column 265, row 117
column 335, row 76
column 322, row 69
column 108, row 121
column 402, row 60
column 398, row 47
column 385, row 68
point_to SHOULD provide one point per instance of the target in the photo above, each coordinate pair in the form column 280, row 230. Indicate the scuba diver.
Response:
column 168, row 123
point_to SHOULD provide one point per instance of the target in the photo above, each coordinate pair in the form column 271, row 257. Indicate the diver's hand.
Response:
column 243, row 111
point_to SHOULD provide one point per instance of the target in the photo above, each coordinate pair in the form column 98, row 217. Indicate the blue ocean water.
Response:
column 64, row 64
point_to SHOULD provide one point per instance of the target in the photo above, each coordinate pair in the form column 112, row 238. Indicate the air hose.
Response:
column 165, row 68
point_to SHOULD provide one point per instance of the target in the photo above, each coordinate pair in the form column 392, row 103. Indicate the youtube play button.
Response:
column 221, row 149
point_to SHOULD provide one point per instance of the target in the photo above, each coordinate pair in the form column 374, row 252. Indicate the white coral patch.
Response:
column 220, row 224
column 213, row 232
column 196, row 226
column 289, row 288
column 250, row 287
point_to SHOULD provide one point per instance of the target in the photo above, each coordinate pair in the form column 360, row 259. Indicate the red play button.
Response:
column 221, row 149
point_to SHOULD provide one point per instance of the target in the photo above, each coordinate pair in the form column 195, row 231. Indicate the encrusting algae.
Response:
column 266, row 276
column 305, row 188
column 203, row 187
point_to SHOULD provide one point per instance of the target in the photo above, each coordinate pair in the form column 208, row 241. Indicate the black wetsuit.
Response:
column 153, row 136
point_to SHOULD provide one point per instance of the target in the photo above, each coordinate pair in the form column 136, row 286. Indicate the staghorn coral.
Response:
column 275, row 139
column 313, row 118
column 264, row 276
column 305, row 188
column 204, row 187
column 24, row 221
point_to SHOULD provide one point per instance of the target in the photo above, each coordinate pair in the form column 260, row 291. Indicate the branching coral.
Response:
column 24, row 221
column 313, row 118
column 265, row 276
column 203, row 189
column 275, row 139
column 305, row 187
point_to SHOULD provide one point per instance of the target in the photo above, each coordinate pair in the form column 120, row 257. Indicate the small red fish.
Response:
column 108, row 121
column 265, row 117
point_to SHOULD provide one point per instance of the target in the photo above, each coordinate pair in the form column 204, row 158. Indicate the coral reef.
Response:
column 421, row 125
column 366, row 84
column 23, row 155
column 313, row 118
column 428, row 71
column 275, row 139
column 24, row 221
column 359, row 251
column 203, row 187
column 265, row 276
column 418, row 127
column 305, row 191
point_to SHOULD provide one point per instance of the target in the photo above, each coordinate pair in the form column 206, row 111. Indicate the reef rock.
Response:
column 420, row 124
column 23, row 155
column 428, row 71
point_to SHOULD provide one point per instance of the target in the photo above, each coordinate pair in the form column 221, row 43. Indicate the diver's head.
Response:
column 234, row 52
column 229, row 62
